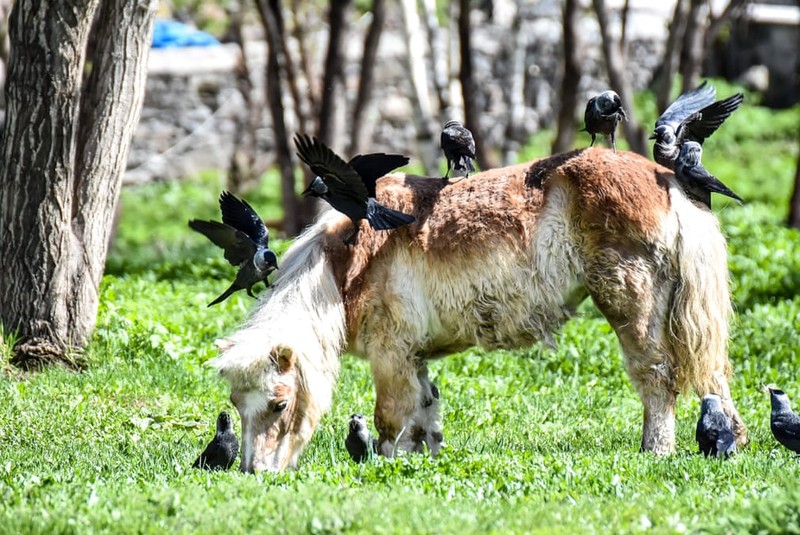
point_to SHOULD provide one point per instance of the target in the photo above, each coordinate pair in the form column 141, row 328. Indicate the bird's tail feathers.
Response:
column 382, row 218
column 226, row 294
column 718, row 187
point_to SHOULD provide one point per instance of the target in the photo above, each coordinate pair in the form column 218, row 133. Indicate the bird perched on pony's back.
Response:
column 245, row 240
column 602, row 114
column 694, row 116
column 714, row 433
column 221, row 452
column 459, row 148
column 350, row 187
column 695, row 180
column 783, row 421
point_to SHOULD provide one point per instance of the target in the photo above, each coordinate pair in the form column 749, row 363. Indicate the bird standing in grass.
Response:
column 459, row 148
column 695, row 180
column 714, row 433
column 221, row 452
column 602, row 114
column 350, row 187
column 783, row 421
column 359, row 443
column 693, row 116
column 245, row 240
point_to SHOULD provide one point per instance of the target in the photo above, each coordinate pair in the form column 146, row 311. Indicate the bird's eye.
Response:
column 280, row 406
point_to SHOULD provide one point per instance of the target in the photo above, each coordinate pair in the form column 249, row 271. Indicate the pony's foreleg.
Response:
column 407, row 414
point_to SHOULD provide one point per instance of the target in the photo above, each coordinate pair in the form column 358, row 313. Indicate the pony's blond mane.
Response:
column 303, row 312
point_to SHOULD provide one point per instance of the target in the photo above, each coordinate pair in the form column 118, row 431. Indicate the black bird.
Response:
column 245, row 240
column 602, row 114
column 360, row 444
column 459, row 148
column 695, row 180
column 222, row 450
column 350, row 187
column 785, row 424
column 694, row 116
column 714, row 433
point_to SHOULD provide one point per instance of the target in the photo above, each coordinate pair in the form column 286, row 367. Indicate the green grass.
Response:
column 536, row 440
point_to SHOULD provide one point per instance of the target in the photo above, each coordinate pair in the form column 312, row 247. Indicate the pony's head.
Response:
column 277, row 414
column 282, row 365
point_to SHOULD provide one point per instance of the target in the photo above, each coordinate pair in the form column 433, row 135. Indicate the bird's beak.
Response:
column 652, row 136
column 768, row 388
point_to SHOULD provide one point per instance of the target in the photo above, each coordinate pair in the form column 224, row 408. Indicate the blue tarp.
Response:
column 167, row 33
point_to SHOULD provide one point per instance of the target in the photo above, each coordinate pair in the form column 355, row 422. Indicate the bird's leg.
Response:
column 448, row 170
column 250, row 292
column 614, row 141
column 592, row 143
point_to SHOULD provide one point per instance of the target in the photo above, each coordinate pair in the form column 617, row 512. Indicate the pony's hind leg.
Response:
column 636, row 305
column 407, row 414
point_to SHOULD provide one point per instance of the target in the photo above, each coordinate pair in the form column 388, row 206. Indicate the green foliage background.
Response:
column 537, row 440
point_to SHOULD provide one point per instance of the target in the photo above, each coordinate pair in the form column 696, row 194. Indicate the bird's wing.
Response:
column 458, row 140
column 341, row 178
column 712, row 116
column 237, row 245
column 240, row 215
column 726, row 443
column 789, row 425
column 371, row 167
column 686, row 104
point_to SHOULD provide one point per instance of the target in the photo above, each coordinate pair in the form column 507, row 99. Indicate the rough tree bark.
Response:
column 61, row 163
column 471, row 113
column 794, row 203
column 333, row 66
column 665, row 73
column 615, row 65
column 365, row 82
column 565, row 136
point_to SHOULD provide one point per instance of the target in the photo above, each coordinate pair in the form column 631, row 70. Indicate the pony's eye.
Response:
column 280, row 406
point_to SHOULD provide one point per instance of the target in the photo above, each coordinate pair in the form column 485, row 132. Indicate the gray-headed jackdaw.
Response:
column 714, row 433
column 603, row 113
column 359, row 443
column 458, row 146
column 783, row 421
column 694, row 116
column 340, row 184
column 222, row 450
column 245, row 240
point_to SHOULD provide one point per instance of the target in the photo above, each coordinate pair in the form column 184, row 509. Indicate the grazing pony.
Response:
column 499, row 260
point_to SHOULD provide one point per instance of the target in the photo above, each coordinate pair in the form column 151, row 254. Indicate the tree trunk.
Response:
column 427, row 145
column 665, row 74
column 333, row 65
column 794, row 204
column 515, row 91
column 439, row 58
column 693, row 41
column 565, row 136
column 365, row 83
column 242, row 172
column 61, row 168
column 619, row 81
column 471, row 113
column 293, row 220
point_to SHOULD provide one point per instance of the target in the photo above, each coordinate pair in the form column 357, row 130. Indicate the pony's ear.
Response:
column 223, row 344
column 285, row 358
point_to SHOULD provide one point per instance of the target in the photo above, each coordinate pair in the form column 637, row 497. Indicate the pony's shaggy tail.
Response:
column 701, row 302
